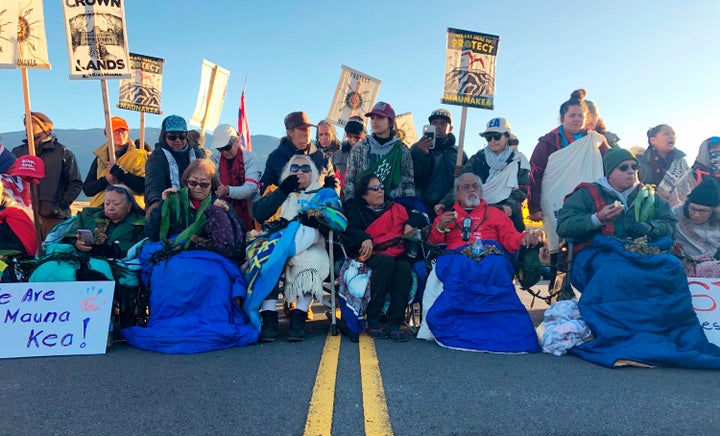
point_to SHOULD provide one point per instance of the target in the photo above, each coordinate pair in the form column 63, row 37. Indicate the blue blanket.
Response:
column 639, row 308
column 479, row 308
column 192, row 307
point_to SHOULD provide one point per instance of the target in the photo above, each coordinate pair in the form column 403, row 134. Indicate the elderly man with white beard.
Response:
column 470, row 302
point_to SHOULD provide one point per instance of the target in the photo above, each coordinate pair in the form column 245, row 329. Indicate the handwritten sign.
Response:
column 51, row 319
column 706, row 297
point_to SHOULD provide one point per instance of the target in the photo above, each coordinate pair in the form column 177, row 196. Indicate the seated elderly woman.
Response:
column 635, row 295
column 294, row 214
column 697, row 232
column 470, row 302
column 375, row 227
column 188, row 267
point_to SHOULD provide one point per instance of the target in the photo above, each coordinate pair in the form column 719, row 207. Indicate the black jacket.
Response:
column 157, row 170
column 283, row 153
column 434, row 171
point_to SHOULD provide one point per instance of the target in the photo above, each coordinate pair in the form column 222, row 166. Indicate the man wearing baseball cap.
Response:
column 296, row 141
column 62, row 182
column 383, row 154
column 435, row 160
column 129, row 167
column 239, row 171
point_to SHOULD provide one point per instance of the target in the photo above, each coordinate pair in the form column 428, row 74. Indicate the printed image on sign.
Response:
column 405, row 128
column 355, row 95
column 97, row 40
column 211, row 95
column 53, row 319
column 470, row 69
column 22, row 35
column 705, row 298
column 142, row 92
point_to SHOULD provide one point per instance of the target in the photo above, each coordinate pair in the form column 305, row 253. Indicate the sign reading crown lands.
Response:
column 470, row 69
column 96, row 37
column 51, row 319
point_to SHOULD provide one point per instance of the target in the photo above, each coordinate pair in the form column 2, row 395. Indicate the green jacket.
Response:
column 574, row 219
column 127, row 233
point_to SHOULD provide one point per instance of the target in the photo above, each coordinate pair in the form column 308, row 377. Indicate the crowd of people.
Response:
column 214, row 239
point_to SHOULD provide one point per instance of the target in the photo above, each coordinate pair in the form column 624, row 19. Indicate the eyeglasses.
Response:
column 304, row 168
column 195, row 183
column 173, row 137
column 493, row 136
column 625, row 167
column 376, row 188
column 695, row 210
column 227, row 147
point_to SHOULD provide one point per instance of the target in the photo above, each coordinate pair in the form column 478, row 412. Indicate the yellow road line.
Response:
column 377, row 420
column 320, row 412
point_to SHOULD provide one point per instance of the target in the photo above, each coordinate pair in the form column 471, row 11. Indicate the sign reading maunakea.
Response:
column 470, row 69
column 142, row 92
column 50, row 319
column 22, row 35
column 355, row 95
column 97, row 42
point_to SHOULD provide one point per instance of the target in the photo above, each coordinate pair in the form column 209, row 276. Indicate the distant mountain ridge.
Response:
column 84, row 142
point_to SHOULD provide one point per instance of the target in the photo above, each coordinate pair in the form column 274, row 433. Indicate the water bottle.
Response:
column 477, row 247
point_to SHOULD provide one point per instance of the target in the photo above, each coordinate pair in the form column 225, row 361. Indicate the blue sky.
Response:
column 642, row 62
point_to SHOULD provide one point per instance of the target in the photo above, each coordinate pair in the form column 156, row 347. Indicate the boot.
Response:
column 296, row 332
column 269, row 331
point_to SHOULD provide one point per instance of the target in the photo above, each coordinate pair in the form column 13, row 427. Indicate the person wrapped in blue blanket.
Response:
column 635, row 296
column 470, row 302
column 191, row 269
column 294, row 216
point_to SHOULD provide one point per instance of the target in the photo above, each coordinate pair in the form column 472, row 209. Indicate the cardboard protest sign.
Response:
column 211, row 96
column 470, row 69
column 405, row 128
column 52, row 319
column 706, row 297
column 355, row 95
column 97, row 42
column 22, row 35
column 143, row 91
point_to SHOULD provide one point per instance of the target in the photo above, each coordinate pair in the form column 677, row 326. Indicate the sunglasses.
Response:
column 121, row 190
column 173, row 137
column 493, row 136
column 226, row 148
column 625, row 167
column 376, row 188
column 304, row 168
column 194, row 184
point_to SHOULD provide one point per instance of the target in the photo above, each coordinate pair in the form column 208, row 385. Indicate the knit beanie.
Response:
column 355, row 126
column 706, row 194
column 616, row 156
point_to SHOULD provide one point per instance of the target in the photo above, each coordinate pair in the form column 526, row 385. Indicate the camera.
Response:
column 467, row 224
column 429, row 132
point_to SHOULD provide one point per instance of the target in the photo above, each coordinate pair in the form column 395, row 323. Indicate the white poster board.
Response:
column 354, row 96
column 211, row 96
column 22, row 35
column 405, row 127
column 53, row 319
column 705, row 298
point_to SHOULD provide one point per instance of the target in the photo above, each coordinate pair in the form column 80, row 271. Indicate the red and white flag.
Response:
column 243, row 129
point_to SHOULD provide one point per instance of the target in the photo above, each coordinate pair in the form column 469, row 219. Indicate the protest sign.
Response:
column 22, row 35
column 405, row 128
column 470, row 69
column 143, row 91
column 705, row 298
column 211, row 96
column 355, row 95
column 52, row 319
column 96, row 37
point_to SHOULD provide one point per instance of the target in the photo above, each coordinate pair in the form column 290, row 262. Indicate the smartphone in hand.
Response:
column 429, row 132
column 86, row 237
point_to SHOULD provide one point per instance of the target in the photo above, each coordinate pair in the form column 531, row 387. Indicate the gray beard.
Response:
column 472, row 202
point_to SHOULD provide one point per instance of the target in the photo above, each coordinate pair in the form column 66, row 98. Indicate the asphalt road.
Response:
column 266, row 389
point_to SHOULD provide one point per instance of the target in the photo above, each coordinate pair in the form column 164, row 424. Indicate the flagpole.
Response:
column 34, row 199
column 461, row 139
column 108, row 122
column 242, row 128
column 142, row 130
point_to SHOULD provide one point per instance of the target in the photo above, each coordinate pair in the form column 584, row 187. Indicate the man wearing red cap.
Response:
column 128, row 169
column 382, row 154
column 62, row 182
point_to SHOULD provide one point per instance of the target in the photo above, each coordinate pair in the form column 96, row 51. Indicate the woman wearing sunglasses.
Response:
column 503, row 171
column 697, row 231
column 166, row 164
column 294, row 214
column 375, row 227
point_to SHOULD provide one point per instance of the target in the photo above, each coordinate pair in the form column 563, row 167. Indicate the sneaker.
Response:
column 397, row 335
column 375, row 330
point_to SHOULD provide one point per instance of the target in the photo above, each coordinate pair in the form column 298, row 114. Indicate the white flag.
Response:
column 22, row 35
column 405, row 127
column 355, row 95
column 208, row 107
column 97, row 40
